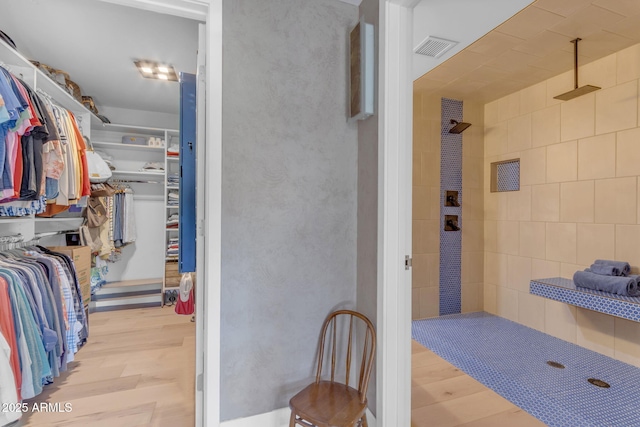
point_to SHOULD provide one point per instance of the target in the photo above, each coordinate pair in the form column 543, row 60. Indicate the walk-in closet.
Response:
column 97, row 287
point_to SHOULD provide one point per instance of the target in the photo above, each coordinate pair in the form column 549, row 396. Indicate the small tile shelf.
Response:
column 564, row 290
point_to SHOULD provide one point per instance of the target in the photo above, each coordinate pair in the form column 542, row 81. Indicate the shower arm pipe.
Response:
column 575, row 60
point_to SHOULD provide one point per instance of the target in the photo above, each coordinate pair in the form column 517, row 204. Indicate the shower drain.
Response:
column 555, row 364
column 598, row 383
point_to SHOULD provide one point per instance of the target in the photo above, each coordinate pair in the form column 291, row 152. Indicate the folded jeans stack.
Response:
column 609, row 276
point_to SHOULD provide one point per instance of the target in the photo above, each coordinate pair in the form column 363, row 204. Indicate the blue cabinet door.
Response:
column 187, row 252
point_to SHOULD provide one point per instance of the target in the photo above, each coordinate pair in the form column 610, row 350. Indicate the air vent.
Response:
column 434, row 47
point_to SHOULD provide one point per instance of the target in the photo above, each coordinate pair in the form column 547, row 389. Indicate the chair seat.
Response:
column 328, row 404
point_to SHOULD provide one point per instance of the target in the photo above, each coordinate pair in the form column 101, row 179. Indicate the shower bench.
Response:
column 564, row 290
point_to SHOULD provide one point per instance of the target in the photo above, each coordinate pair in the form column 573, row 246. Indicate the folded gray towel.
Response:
column 614, row 284
column 604, row 269
column 623, row 266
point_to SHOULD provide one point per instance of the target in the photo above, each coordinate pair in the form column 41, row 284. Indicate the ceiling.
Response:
column 96, row 43
column 533, row 46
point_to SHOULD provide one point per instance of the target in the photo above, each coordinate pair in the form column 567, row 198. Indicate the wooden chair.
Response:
column 331, row 403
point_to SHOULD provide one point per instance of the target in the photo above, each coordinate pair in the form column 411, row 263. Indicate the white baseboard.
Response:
column 277, row 418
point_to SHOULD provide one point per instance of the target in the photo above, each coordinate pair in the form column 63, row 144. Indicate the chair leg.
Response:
column 363, row 421
column 292, row 420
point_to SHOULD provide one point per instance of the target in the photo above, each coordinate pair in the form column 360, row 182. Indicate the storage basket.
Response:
column 62, row 78
column 88, row 102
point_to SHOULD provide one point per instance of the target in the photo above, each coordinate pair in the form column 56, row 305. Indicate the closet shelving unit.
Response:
column 19, row 65
column 172, row 166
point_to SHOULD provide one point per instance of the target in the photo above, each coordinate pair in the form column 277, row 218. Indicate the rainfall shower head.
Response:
column 459, row 126
column 576, row 91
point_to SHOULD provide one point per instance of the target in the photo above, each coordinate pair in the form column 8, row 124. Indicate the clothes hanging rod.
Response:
column 138, row 181
column 54, row 233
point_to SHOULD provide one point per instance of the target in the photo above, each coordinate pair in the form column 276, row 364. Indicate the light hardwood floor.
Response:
column 137, row 369
column 444, row 396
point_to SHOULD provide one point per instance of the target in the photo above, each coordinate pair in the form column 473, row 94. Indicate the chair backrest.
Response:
column 330, row 328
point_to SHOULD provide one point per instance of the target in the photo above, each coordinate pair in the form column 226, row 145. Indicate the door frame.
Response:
column 393, row 388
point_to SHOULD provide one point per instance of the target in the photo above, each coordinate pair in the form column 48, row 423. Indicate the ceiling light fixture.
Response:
column 156, row 70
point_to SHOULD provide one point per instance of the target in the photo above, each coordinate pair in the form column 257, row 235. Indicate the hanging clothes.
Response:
column 42, row 152
column 42, row 321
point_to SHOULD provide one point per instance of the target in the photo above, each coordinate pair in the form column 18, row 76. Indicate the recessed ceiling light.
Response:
column 156, row 70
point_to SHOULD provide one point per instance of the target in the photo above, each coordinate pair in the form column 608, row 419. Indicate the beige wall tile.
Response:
column 471, row 297
column 533, row 166
column 577, row 201
column 473, row 141
column 561, row 242
column 417, row 169
column 519, row 204
column 557, row 85
column 490, row 298
column 518, row 273
column 545, row 126
column 429, row 302
column 616, row 200
column 421, row 202
column 531, row 311
column 419, row 274
column 533, row 98
column 597, row 157
column 435, row 201
column 495, row 139
column 495, row 206
column 545, row 202
column 627, row 247
column 426, row 237
column 472, row 236
column 519, row 133
column 430, row 169
column 627, row 341
column 472, row 173
column 560, row 320
column 491, row 113
column 433, row 269
column 495, row 269
column 508, row 237
column 578, row 117
column 628, row 64
column 415, row 303
column 628, row 153
column 562, row 162
column 595, row 241
column 567, row 270
column 472, row 205
column 472, row 267
column 595, row 331
column 532, row 240
column 543, row 269
column 507, row 301
column 491, row 236
column 617, row 108
column 601, row 73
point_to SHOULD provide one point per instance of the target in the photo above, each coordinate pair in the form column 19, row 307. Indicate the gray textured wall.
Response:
column 289, row 200
column 367, row 301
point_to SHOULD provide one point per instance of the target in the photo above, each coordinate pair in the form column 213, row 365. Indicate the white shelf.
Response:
column 11, row 57
column 171, row 187
column 173, row 229
column 15, row 219
column 132, row 147
column 145, row 130
column 172, row 207
column 156, row 174
column 172, row 159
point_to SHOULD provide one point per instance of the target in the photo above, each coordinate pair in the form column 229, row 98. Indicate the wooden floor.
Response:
column 137, row 369
column 444, row 396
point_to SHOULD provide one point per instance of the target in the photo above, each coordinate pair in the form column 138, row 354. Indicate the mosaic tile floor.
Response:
column 510, row 359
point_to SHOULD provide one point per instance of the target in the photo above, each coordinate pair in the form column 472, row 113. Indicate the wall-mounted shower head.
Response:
column 459, row 126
